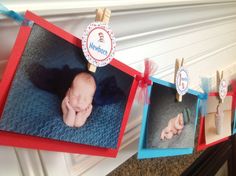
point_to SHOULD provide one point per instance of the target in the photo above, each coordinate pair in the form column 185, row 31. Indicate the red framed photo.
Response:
column 23, row 122
column 208, row 135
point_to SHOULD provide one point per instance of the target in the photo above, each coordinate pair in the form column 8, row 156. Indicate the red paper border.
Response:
column 34, row 142
column 201, row 138
column 12, row 64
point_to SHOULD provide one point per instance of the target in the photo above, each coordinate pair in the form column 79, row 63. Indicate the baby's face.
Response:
column 82, row 91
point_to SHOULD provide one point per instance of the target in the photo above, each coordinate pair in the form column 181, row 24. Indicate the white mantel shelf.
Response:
column 204, row 33
column 62, row 7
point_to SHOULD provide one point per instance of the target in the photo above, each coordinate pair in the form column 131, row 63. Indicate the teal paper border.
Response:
column 234, row 129
column 152, row 153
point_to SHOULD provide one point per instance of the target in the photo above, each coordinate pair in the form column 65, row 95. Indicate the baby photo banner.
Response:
column 62, row 93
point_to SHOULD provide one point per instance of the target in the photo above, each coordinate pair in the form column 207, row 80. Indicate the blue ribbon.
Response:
column 205, row 84
column 15, row 16
column 203, row 106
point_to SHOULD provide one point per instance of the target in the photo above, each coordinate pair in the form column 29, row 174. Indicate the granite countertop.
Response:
column 171, row 166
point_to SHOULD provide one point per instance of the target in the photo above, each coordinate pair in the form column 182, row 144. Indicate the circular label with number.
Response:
column 223, row 89
column 98, row 44
column 182, row 81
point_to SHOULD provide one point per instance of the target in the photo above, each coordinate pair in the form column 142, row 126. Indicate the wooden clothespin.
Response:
column 222, row 86
column 178, row 64
column 102, row 15
column 219, row 77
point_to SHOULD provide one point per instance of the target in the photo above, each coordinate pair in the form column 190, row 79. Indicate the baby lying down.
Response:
column 76, row 89
column 176, row 124
column 77, row 104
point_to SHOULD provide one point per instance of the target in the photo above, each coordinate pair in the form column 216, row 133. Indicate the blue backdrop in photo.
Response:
column 32, row 111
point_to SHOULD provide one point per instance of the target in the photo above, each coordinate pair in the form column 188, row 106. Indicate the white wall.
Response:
column 204, row 33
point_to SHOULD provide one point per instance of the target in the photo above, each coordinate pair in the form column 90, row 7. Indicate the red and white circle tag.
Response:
column 223, row 89
column 98, row 44
column 182, row 81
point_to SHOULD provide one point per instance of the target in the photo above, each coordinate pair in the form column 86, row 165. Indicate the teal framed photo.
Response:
column 159, row 136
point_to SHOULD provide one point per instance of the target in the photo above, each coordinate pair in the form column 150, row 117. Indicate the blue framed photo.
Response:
column 168, row 127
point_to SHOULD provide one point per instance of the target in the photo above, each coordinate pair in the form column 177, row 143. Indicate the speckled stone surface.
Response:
column 169, row 166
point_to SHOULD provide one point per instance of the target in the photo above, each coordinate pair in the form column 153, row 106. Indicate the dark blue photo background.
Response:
column 33, row 111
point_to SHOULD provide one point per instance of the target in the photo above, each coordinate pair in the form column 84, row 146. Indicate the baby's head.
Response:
column 82, row 91
column 183, row 118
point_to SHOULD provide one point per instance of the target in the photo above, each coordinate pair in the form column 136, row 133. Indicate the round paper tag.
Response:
column 98, row 44
column 182, row 81
column 223, row 89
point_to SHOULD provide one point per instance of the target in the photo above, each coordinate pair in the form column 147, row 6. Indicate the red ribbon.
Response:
column 144, row 81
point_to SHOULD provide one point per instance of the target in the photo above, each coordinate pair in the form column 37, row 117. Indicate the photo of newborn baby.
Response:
column 170, row 124
column 58, row 98
column 218, row 119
